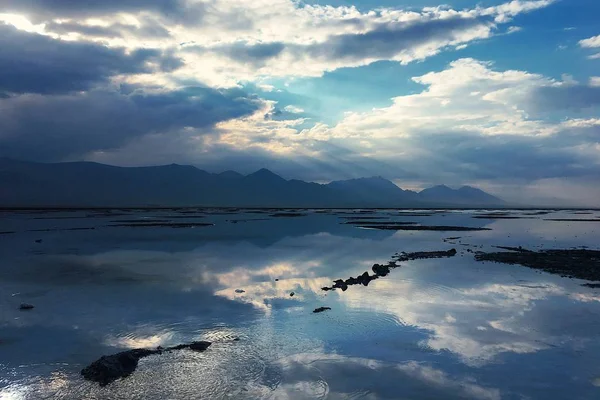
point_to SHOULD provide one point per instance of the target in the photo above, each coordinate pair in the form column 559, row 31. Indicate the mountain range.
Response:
column 88, row 184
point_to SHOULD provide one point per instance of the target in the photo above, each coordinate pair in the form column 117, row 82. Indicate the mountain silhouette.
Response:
column 89, row 184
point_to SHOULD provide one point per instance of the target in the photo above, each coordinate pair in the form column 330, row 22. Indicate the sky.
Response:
column 499, row 94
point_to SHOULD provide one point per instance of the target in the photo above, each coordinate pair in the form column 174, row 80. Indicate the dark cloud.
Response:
column 383, row 42
column 463, row 156
column 173, row 11
column 254, row 54
column 453, row 158
column 50, row 128
column 43, row 9
column 566, row 97
column 387, row 40
column 33, row 63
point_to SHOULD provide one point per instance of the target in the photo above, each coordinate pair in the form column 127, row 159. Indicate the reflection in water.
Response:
column 445, row 328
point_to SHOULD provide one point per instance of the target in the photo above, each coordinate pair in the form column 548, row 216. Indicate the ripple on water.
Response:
column 225, row 369
column 317, row 389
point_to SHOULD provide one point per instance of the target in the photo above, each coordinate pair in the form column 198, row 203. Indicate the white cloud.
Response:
column 416, row 379
column 293, row 109
column 312, row 39
column 468, row 96
column 514, row 29
column 590, row 43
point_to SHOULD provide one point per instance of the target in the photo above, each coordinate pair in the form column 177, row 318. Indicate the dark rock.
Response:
column 421, row 255
column 240, row 291
column 365, row 278
column 199, row 346
column 162, row 225
column 384, row 270
column 292, row 294
column 573, row 263
column 400, row 227
column 38, row 241
column 520, row 248
column 384, row 223
column 108, row 369
column 276, row 280
column 26, row 306
column 340, row 284
column 572, row 220
column 321, row 309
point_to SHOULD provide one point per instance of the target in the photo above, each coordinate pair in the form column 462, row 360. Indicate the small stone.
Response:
column 321, row 309
column 292, row 294
column 26, row 306
column 240, row 291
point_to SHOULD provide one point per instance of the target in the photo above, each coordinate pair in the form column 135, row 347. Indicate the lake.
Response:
column 105, row 281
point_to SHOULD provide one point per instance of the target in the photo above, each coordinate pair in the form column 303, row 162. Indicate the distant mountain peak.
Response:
column 264, row 173
column 470, row 188
column 230, row 174
column 466, row 195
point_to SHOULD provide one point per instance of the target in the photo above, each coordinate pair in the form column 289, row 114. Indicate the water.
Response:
column 434, row 329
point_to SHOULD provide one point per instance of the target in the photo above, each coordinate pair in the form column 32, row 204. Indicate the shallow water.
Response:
column 433, row 329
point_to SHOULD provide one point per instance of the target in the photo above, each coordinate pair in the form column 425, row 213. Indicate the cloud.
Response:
column 221, row 39
column 471, row 123
column 256, row 53
column 590, row 43
column 404, row 42
column 564, row 97
column 300, row 371
column 111, row 30
column 135, row 79
column 293, row 109
column 50, row 66
column 55, row 127
column 319, row 39
column 45, row 9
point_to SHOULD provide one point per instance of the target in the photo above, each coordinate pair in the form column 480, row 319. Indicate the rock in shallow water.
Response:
column 321, row 309
column 571, row 263
column 26, row 306
column 108, row 369
column 384, row 270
